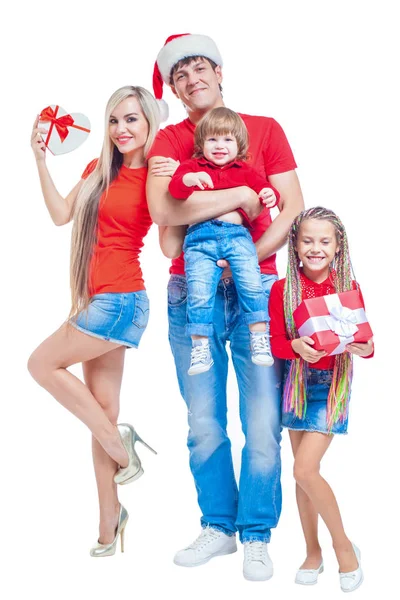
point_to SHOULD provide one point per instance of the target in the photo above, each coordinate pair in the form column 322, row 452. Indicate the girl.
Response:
column 110, row 308
column 317, row 386
column 221, row 147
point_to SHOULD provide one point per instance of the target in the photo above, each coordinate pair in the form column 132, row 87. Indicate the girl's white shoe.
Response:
column 351, row 581
column 309, row 576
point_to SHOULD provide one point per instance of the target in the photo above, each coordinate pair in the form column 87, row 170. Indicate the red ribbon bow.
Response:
column 61, row 124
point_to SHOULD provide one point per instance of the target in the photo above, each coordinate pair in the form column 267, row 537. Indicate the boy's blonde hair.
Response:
column 221, row 121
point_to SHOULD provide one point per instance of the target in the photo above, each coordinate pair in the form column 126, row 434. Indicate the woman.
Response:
column 110, row 308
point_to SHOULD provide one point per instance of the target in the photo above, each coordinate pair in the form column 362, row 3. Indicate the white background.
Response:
column 327, row 71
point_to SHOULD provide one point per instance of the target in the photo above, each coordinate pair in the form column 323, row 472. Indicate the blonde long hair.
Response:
column 85, row 212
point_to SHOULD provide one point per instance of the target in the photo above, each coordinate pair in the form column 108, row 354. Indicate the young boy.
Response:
column 221, row 146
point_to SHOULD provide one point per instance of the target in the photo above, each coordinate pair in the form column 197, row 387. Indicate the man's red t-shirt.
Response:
column 269, row 154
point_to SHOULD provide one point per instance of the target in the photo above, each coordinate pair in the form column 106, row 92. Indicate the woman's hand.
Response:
column 361, row 349
column 165, row 167
column 303, row 345
column 37, row 143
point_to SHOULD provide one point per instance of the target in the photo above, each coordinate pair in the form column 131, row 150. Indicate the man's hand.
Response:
column 303, row 345
column 202, row 180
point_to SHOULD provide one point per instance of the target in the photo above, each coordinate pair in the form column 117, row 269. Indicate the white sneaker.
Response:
column 200, row 358
column 352, row 580
column 211, row 542
column 309, row 576
column 257, row 565
column 260, row 349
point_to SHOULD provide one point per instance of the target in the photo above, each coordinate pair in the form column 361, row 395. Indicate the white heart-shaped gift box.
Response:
column 66, row 131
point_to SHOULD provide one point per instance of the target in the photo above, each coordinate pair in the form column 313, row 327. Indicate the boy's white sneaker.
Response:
column 211, row 542
column 260, row 349
column 200, row 358
column 257, row 565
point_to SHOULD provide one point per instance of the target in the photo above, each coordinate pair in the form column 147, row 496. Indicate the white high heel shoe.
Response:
column 309, row 576
column 134, row 470
column 109, row 549
column 352, row 580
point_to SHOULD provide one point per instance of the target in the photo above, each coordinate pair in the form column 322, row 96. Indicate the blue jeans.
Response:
column 205, row 243
column 255, row 507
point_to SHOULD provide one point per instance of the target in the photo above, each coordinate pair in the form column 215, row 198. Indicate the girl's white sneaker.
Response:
column 309, row 576
column 351, row 581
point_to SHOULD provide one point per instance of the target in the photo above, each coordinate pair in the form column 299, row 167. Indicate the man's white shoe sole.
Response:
column 263, row 578
column 205, row 560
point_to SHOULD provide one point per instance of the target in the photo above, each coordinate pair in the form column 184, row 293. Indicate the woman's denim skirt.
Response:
column 118, row 318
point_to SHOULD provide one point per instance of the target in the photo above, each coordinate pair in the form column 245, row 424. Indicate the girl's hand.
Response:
column 201, row 180
column 165, row 167
column 361, row 349
column 267, row 197
column 37, row 143
column 303, row 345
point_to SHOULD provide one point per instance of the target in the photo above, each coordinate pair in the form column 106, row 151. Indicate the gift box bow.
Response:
column 60, row 123
column 342, row 321
column 333, row 321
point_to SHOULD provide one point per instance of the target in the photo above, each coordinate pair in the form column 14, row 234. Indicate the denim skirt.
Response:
column 118, row 318
column 318, row 385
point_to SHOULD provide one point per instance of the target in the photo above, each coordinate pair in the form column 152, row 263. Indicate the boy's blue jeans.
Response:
column 255, row 507
column 205, row 243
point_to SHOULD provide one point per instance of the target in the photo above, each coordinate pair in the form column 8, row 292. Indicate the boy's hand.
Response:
column 361, row 349
column 267, row 197
column 202, row 180
column 303, row 345
column 165, row 167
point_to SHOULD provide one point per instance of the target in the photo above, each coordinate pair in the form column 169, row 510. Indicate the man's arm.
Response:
column 290, row 205
column 171, row 240
column 200, row 206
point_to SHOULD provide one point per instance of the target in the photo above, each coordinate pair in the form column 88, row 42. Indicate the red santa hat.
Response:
column 176, row 48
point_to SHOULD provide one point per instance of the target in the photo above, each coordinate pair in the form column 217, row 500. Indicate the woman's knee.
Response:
column 38, row 368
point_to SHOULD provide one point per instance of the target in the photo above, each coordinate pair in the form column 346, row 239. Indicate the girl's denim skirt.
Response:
column 318, row 384
column 118, row 318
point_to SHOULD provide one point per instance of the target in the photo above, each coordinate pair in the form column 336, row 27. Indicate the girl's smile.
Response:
column 316, row 248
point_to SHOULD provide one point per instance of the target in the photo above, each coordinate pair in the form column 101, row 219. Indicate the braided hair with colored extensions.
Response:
column 295, row 392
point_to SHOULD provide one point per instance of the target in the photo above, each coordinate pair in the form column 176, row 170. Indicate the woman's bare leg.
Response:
column 309, row 454
column 48, row 366
column 308, row 515
column 103, row 376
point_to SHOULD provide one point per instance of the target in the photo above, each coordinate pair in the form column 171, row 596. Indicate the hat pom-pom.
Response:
column 163, row 107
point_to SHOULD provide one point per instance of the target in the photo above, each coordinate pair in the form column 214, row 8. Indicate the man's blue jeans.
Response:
column 255, row 508
column 205, row 243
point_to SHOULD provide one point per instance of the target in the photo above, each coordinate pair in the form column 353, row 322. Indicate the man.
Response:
column 191, row 65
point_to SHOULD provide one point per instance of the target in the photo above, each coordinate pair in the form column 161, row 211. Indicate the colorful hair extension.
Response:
column 295, row 391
